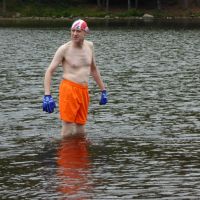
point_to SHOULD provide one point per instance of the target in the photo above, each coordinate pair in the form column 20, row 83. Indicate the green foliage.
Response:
column 131, row 13
column 87, row 8
column 42, row 11
column 159, row 13
column 59, row 11
column 82, row 11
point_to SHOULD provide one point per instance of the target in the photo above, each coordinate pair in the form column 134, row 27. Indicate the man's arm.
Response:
column 97, row 77
column 95, row 72
column 58, row 57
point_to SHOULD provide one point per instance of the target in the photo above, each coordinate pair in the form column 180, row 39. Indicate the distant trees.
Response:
column 103, row 3
column 158, row 4
column 4, row 7
column 185, row 3
column 136, row 3
column 99, row 3
column 129, row 4
column 106, row 4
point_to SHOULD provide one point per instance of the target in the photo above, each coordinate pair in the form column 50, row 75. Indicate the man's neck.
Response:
column 78, row 44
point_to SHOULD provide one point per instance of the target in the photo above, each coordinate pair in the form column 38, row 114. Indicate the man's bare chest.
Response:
column 78, row 58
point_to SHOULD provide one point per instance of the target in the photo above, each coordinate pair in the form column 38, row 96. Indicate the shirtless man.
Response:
column 78, row 62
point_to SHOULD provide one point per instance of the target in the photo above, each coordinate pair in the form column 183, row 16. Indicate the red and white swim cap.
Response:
column 80, row 25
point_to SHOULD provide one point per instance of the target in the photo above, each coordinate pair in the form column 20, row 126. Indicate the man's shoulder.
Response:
column 63, row 48
column 89, row 43
column 66, row 45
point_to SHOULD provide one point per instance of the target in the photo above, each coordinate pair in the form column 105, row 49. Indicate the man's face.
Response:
column 77, row 35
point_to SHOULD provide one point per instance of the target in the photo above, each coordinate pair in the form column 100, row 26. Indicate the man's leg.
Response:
column 80, row 129
column 68, row 129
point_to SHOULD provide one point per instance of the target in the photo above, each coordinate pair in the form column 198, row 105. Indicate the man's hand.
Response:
column 104, row 98
column 48, row 104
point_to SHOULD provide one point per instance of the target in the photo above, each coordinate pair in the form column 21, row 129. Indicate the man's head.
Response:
column 80, row 25
column 78, row 31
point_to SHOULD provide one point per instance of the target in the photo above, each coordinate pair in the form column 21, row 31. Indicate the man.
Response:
column 78, row 62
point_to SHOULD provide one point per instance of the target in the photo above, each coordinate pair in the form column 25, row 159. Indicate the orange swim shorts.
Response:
column 73, row 102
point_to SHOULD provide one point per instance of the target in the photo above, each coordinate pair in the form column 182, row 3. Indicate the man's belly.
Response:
column 82, row 79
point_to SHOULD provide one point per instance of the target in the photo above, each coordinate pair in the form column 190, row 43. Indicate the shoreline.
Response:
column 185, row 22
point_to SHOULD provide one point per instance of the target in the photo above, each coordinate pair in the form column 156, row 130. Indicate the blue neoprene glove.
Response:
column 104, row 98
column 48, row 104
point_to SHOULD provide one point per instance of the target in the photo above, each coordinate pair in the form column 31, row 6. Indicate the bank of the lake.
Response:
column 149, row 21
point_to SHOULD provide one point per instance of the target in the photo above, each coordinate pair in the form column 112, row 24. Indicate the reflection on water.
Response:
column 74, row 167
column 144, row 143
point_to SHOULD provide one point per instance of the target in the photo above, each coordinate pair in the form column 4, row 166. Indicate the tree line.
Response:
column 158, row 4
column 107, row 4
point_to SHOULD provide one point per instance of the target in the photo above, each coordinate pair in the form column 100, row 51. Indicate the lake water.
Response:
column 144, row 144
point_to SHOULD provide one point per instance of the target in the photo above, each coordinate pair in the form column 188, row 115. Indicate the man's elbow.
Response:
column 93, row 73
column 50, row 70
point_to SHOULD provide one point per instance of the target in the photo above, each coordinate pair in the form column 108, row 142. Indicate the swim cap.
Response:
column 80, row 25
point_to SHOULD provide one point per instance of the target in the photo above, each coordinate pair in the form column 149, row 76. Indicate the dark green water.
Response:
column 144, row 144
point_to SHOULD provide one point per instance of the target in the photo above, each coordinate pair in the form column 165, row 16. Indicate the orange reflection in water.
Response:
column 74, row 167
